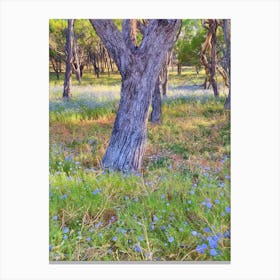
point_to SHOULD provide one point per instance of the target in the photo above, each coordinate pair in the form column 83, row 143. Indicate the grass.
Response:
column 176, row 209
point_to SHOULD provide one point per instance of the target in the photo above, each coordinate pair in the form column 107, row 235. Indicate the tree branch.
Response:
column 129, row 30
column 113, row 40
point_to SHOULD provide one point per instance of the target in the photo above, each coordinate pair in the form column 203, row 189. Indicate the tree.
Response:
column 69, row 59
column 226, row 29
column 210, row 45
column 139, row 69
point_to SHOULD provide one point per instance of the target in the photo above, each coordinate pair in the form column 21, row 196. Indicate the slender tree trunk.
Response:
column 213, row 30
column 69, row 59
column 179, row 69
column 156, row 114
column 226, row 28
column 139, row 70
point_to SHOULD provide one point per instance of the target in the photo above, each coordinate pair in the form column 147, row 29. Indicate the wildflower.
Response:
column 221, row 184
column 163, row 196
column 181, row 229
column 212, row 242
column 163, row 228
column 96, row 191
column 65, row 229
column 152, row 226
column 115, row 238
column 201, row 248
column 185, row 224
column 194, row 233
column 50, row 248
column 109, row 251
column 208, row 205
column 213, row 252
column 63, row 196
column 227, row 176
column 65, row 237
column 55, row 218
column 137, row 248
column 189, row 201
column 126, row 197
column 136, row 199
column 207, row 229
column 223, row 214
column 88, row 239
column 155, row 218
column 226, row 234
column 217, row 201
column 170, row 239
column 227, row 209
column 192, row 192
column 140, row 238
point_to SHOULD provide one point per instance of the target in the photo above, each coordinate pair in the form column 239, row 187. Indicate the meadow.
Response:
column 177, row 208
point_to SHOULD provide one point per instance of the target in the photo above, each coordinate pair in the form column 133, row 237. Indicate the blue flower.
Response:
column 227, row 176
column 65, row 236
column 181, row 229
column 208, row 205
column 136, row 199
column 140, row 238
column 115, row 238
column 223, row 214
column 55, row 218
column 226, row 234
column 170, row 239
column 192, row 192
column 63, row 196
column 201, row 248
column 88, row 239
column 155, row 218
column 163, row 228
column 213, row 252
column 227, row 209
column 65, row 229
column 194, row 233
column 207, row 229
column 96, row 191
column 162, row 196
column 213, row 242
column 217, row 201
column 126, row 197
column 137, row 248
column 50, row 248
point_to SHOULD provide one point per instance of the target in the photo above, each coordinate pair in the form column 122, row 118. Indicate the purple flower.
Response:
column 137, row 248
column 217, row 201
column 208, row 205
column 170, row 239
column 115, row 238
column 201, row 248
column 227, row 209
column 155, row 218
column 55, row 218
column 163, row 228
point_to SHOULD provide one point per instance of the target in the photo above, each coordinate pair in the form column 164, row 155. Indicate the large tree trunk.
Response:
column 69, row 60
column 139, row 68
column 156, row 114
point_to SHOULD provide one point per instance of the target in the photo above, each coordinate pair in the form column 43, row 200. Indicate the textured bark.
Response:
column 139, row 70
column 226, row 29
column 156, row 114
column 69, row 60
column 210, row 45
column 76, row 61
column 213, row 29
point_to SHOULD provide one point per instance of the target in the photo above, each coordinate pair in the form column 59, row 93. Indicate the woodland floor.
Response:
column 176, row 209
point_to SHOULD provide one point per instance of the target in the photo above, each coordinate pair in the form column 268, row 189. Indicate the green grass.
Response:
column 160, row 213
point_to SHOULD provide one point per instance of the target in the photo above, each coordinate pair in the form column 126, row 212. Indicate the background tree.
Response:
column 139, row 69
column 69, row 59
column 226, row 29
